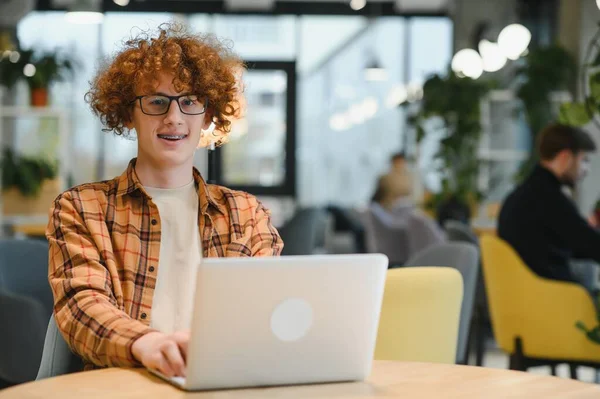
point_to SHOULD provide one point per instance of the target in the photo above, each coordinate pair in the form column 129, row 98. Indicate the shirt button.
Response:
column 143, row 315
column 151, row 268
column 154, row 222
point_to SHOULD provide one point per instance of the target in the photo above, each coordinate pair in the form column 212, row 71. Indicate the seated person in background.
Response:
column 400, row 169
column 453, row 209
column 124, row 252
column 393, row 207
column 539, row 220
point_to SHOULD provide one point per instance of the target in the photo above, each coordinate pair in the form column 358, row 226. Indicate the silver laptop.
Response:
column 284, row 320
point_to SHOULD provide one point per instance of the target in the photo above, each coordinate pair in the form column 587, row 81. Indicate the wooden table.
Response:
column 388, row 380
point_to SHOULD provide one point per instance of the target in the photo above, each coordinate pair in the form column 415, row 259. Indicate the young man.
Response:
column 542, row 223
column 124, row 252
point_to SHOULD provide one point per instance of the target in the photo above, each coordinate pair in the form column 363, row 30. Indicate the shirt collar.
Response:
column 129, row 184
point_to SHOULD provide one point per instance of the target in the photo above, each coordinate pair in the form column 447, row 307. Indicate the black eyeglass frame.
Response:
column 171, row 99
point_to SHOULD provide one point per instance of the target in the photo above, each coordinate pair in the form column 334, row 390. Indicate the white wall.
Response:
column 341, row 167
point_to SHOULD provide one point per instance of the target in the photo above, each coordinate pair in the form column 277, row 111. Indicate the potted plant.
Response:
column 29, row 183
column 39, row 69
column 455, row 103
column 545, row 71
column 585, row 111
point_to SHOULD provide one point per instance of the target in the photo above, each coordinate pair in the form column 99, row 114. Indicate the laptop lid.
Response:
column 284, row 320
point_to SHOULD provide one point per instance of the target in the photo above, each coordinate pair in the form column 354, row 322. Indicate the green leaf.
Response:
column 420, row 133
column 25, row 173
column 574, row 114
column 595, row 86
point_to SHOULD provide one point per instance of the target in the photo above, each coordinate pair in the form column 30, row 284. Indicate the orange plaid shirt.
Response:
column 104, row 241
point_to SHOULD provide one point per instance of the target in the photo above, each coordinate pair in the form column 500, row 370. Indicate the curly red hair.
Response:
column 199, row 63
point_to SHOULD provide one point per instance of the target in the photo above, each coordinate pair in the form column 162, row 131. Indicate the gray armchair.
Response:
column 460, row 232
column 57, row 358
column 464, row 258
column 25, row 306
column 391, row 240
column 482, row 327
column 304, row 233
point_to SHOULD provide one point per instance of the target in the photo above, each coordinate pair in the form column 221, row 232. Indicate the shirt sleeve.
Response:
column 265, row 240
column 85, row 308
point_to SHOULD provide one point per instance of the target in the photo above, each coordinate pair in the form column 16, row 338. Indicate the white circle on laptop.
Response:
column 291, row 319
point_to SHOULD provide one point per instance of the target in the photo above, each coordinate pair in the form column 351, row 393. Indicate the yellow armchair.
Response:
column 534, row 318
column 420, row 315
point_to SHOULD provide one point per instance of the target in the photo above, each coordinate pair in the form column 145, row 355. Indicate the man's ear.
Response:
column 129, row 123
column 566, row 157
column 208, row 118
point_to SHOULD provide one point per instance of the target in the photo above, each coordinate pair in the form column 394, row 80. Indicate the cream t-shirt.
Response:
column 179, row 258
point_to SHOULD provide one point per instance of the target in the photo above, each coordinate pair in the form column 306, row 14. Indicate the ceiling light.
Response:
column 356, row 114
column 374, row 72
column 414, row 92
column 121, row 3
column 29, row 70
column 339, row 122
column 358, row 4
column 14, row 57
column 468, row 62
column 397, row 96
column 514, row 40
column 370, row 107
column 492, row 56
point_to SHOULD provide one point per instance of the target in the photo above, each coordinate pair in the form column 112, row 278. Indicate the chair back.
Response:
column 57, row 358
column 506, row 279
column 25, row 306
column 420, row 315
column 304, row 232
column 423, row 232
column 458, row 231
column 539, row 311
column 390, row 239
column 464, row 258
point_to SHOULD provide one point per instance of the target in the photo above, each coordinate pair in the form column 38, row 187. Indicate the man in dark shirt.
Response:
column 539, row 220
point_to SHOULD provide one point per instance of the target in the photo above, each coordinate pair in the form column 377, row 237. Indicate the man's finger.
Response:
column 159, row 362
column 182, row 338
column 172, row 353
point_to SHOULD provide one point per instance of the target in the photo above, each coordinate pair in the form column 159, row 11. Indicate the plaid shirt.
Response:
column 104, row 243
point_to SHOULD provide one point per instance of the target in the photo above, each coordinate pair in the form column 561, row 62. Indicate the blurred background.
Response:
column 330, row 89
column 448, row 93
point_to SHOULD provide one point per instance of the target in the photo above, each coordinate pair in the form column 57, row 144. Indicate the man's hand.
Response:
column 163, row 353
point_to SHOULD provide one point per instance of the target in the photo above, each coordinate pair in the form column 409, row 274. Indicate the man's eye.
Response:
column 157, row 101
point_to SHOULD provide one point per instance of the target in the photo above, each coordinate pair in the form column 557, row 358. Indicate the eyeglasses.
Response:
column 158, row 104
